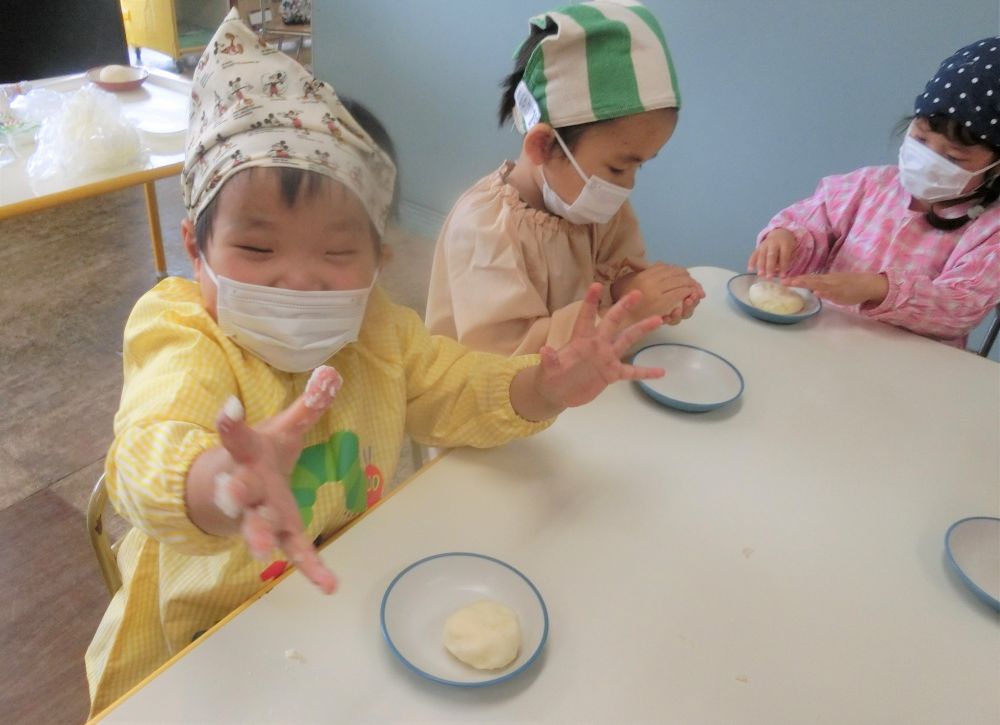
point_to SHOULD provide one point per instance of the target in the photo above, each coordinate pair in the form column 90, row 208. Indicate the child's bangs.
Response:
column 955, row 131
column 295, row 183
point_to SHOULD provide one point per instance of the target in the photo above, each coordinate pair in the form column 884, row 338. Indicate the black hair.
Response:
column 294, row 182
column 570, row 134
column 370, row 123
column 956, row 132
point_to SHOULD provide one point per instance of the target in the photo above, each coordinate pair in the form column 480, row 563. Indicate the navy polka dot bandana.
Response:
column 967, row 88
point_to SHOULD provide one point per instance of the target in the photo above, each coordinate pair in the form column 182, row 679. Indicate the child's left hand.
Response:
column 580, row 370
column 844, row 288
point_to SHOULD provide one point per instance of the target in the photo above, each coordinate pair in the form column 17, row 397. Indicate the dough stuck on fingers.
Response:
column 233, row 408
column 776, row 298
column 323, row 385
column 223, row 496
column 485, row 635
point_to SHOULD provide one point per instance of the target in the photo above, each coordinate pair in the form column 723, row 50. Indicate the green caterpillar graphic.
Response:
column 336, row 460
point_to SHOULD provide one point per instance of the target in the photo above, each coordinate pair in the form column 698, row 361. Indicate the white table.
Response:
column 159, row 107
column 779, row 561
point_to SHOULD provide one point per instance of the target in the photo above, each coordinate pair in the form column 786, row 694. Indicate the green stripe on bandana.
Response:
column 647, row 17
column 606, row 59
column 610, row 73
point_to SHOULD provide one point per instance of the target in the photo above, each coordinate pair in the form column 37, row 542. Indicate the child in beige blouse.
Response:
column 594, row 93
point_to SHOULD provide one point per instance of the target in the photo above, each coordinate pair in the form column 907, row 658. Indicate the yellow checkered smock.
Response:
column 179, row 370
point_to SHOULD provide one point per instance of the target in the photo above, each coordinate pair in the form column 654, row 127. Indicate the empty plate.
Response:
column 422, row 596
column 973, row 549
column 697, row 380
column 739, row 291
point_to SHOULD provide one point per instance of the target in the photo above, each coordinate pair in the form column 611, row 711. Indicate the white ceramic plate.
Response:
column 422, row 596
column 739, row 291
column 697, row 380
column 973, row 549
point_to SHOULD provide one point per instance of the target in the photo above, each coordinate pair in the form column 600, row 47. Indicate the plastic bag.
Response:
column 36, row 105
column 88, row 134
column 21, row 113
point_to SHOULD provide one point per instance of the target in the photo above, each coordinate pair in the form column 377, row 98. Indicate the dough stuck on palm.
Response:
column 485, row 635
column 776, row 298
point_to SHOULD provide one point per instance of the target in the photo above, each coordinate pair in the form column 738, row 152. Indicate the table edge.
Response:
column 258, row 594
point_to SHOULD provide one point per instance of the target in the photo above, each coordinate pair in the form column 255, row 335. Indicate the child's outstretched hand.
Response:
column 845, row 288
column 250, row 478
column 588, row 363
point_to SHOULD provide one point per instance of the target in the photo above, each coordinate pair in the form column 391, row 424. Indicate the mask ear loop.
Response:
column 211, row 274
column 569, row 155
column 989, row 191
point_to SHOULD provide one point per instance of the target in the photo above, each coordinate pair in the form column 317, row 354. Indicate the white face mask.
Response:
column 930, row 177
column 599, row 200
column 290, row 330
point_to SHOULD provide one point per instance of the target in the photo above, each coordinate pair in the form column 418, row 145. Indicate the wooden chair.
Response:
column 105, row 551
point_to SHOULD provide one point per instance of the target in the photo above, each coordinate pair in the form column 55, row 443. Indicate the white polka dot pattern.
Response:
column 964, row 89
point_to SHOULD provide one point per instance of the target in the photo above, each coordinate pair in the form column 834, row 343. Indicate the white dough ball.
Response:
column 116, row 74
column 485, row 635
column 776, row 298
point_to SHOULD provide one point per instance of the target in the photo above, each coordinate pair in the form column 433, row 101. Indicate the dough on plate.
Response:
column 776, row 298
column 116, row 74
column 485, row 635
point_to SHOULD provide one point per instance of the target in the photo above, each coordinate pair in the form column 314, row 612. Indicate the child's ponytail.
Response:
column 509, row 83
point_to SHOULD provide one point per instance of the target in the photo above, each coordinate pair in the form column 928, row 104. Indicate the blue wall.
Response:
column 776, row 94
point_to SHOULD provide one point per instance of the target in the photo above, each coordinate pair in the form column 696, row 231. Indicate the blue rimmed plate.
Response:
column 422, row 596
column 696, row 381
column 739, row 291
column 973, row 550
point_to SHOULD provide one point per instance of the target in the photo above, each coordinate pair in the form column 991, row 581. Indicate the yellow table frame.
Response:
column 146, row 177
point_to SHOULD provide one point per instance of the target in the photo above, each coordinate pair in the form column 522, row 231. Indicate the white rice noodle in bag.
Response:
column 89, row 134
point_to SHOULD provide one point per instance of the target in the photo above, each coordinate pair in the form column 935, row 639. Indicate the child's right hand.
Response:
column 246, row 481
column 668, row 292
column 773, row 256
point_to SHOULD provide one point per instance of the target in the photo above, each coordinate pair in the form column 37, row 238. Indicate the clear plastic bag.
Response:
column 36, row 105
column 87, row 134
column 21, row 113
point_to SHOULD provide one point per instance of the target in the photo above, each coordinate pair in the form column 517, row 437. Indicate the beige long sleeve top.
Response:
column 508, row 278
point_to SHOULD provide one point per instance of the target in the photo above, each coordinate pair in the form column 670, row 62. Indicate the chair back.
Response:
column 991, row 334
column 103, row 549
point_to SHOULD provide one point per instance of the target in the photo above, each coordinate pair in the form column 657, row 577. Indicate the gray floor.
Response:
column 68, row 279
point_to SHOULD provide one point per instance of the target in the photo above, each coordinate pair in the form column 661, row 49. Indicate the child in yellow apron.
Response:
column 265, row 403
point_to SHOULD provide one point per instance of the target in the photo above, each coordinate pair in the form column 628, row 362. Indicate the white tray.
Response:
column 159, row 108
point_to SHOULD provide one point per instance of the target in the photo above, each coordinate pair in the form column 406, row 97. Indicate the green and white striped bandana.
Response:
column 608, row 59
